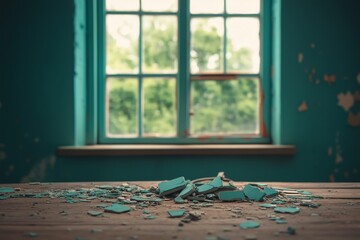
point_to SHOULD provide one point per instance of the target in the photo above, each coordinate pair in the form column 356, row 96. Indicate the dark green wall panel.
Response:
column 40, row 60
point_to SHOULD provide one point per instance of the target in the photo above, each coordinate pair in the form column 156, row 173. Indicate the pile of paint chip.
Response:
column 198, row 193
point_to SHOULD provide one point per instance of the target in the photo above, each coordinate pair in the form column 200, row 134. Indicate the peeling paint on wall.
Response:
column 2, row 155
column 346, row 101
column 338, row 159
column 354, row 119
column 330, row 78
column 39, row 171
column 303, row 107
column 300, row 57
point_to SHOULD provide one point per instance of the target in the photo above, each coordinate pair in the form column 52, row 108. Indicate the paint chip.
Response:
column 339, row 158
column 117, row 208
column 354, row 119
column 249, row 225
column 176, row 213
column 330, row 151
column 172, row 186
column 346, row 101
column 329, row 78
column 303, row 107
column 253, row 193
column 230, row 196
column 94, row 213
column 291, row 210
column 300, row 57
column 6, row 189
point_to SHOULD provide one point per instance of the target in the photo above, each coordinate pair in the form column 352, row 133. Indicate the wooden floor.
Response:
column 338, row 217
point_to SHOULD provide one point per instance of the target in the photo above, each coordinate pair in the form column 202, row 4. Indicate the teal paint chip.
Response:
column 32, row 234
column 291, row 210
column 6, row 189
column 172, row 186
column 249, row 225
column 188, row 190
column 253, row 193
column 229, row 196
column 268, row 205
column 176, row 213
column 94, row 213
column 4, row 197
column 146, row 212
column 145, row 199
column 270, row 192
column 280, row 221
column 179, row 200
column 216, row 182
column 149, row 217
column 117, row 208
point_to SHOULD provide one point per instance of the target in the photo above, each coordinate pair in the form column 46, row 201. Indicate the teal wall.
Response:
column 42, row 54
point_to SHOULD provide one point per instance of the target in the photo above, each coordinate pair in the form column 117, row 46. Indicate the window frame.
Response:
column 183, row 90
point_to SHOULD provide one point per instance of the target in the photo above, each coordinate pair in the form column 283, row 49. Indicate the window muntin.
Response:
column 221, row 73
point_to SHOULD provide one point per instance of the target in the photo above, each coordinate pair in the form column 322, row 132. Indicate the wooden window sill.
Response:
column 166, row 149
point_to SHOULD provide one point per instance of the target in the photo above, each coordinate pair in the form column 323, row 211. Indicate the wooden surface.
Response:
column 170, row 149
column 337, row 218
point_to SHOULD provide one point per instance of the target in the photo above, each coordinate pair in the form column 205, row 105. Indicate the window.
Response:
column 183, row 71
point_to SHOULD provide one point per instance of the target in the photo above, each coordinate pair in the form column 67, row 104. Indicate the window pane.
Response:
column 243, row 45
column 225, row 106
column 206, row 6
column 160, row 5
column 122, row 5
column 243, row 6
column 159, row 44
column 206, row 51
column 159, row 107
column 122, row 97
column 122, row 32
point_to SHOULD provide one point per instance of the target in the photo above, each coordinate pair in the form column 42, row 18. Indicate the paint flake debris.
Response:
column 6, row 190
column 346, row 101
column 117, row 208
column 94, row 213
column 253, row 193
column 249, row 224
column 291, row 210
column 303, row 107
column 176, row 213
column 229, row 196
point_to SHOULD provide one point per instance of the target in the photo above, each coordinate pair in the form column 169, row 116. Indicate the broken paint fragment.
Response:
column 280, row 221
column 216, row 182
column 176, row 213
column 149, row 217
column 268, row 205
column 6, row 189
column 172, row 186
column 179, row 200
column 32, row 234
column 346, row 101
column 303, row 107
column 117, row 208
column 249, row 225
column 145, row 199
column 291, row 210
column 94, row 213
column 270, row 192
column 206, row 188
column 4, row 197
column 188, row 190
column 229, row 196
column 253, row 193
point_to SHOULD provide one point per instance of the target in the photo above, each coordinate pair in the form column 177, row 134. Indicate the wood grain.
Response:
column 337, row 218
